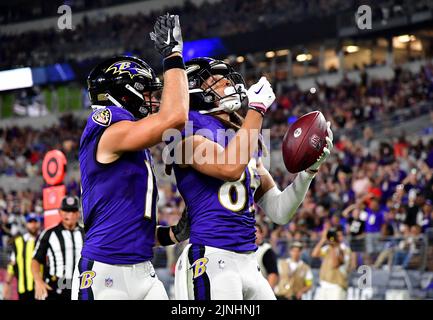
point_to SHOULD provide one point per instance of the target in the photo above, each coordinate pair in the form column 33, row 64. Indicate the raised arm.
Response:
column 229, row 163
column 137, row 135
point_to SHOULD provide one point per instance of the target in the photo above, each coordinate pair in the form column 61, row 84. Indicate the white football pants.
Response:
column 208, row 273
column 94, row 280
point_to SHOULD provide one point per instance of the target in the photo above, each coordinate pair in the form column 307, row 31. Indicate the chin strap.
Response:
column 128, row 87
column 117, row 103
column 230, row 102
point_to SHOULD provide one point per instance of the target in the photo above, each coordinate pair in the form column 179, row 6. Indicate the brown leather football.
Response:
column 304, row 141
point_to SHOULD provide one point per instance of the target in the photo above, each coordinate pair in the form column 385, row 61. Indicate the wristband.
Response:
column 173, row 62
column 163, row 236
column 257, row 107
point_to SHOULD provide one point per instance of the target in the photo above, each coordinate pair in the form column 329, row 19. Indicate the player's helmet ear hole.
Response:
column 192, row 84
column 208, row 98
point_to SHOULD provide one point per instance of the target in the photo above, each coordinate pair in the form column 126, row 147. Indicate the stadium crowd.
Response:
column 22, row 148
column 121, row 33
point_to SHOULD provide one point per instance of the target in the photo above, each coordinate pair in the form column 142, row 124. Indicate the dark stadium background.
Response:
column 374, row 85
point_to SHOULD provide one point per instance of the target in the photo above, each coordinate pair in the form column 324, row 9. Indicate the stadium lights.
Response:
column 270, row 54
column 283, row 52
column 406, row 38
column 304, row 57
column 240, row 59
column 352, row 49
column 16, row 79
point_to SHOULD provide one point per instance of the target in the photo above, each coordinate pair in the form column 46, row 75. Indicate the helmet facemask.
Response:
column 149, row 101
column 141, row 103
column 233, row 96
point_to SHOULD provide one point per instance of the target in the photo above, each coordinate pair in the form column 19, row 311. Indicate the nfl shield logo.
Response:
column 315, row 142
column 108, row 282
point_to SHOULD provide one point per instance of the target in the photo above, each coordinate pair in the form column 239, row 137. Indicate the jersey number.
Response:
column 149, row 193
column 239, row 188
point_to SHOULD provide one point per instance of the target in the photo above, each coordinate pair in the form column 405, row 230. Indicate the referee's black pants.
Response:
column 26, row 296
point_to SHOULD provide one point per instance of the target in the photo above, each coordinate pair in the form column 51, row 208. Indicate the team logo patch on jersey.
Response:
column 199, row 267
column 102, row 117
column 87, row 279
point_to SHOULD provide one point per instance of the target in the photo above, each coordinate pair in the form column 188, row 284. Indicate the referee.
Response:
column 266, row 257
column 58, row 250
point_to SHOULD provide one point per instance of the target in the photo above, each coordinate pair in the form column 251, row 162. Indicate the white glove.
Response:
column 260, row 96
column 326, row 150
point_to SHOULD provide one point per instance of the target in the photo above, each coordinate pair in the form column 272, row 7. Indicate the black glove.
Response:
column 167, row 35
column 181, row 229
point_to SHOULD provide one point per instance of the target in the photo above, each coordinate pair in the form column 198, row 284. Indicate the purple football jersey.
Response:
column 119, row 199
column 221, row 213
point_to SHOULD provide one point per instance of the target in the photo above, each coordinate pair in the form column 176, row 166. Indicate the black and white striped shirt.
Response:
column 59, row 250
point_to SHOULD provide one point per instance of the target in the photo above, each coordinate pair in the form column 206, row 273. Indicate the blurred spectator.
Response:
column 374, row 221
column 355, row 227
column 20, row 260
column 427, row 215
column 389, row 230
column 408, row 247
column 296, row 277
column 335, row 265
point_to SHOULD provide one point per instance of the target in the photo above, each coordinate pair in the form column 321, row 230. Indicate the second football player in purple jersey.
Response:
column 220, row 262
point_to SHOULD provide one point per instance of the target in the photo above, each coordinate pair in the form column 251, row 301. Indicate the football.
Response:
column 304, row 141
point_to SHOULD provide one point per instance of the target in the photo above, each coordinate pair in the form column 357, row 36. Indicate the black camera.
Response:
column 332, row 234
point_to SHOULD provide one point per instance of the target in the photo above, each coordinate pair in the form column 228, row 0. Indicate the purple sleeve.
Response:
column 195, row 122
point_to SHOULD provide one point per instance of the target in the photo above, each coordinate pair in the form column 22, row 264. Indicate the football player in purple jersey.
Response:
column 220, row 261
column 119, row 191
